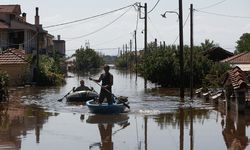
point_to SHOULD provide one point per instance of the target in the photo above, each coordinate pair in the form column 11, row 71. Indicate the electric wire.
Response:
column 95, row 16
column 65, row 27
column 93, row 32
column 183, row 28
column 157, row 31
column 154, row 6
column 112, row 40
column 212, row 5
column 223, row 15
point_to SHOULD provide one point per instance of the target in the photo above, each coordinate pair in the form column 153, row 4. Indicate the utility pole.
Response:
column 145, row 32
column 135, row 53
column 155, row 43
column 181, row 52
column 146, row 27
column 145, row 24
column 130, row 54
column 126, row 47
column 37, row 55
column 123, row 51
column 191, row 51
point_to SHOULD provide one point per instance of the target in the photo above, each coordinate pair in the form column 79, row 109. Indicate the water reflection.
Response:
column 16, row 122
column 156, row 121
column 105, row 124
column 234, row 130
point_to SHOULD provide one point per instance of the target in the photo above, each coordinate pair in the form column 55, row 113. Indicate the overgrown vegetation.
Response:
column 50, row 71
column 4, row 79
column 243, row 44
column 161, row 65
column 87, row 59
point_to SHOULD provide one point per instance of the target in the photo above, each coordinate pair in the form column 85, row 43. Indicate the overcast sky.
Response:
column 222, row 21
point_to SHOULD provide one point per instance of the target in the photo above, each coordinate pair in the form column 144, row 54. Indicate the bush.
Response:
column 4, row 79
column 87, row 59
column 49, row 71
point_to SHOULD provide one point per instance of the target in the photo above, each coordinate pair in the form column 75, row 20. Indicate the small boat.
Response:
column 82, row 96
column 105, row 108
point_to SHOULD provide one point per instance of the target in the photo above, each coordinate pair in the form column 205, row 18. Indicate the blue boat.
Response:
column 105, row 108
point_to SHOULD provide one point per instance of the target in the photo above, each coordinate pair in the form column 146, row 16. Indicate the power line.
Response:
column 212, row 5
column 154, row 6
column 112, row 40
column 183, row 27
column 154, row 27
column 70, row 22
column 223, row 15
column 100, row 28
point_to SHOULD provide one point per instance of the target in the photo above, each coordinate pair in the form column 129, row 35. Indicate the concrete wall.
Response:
column 17, row 73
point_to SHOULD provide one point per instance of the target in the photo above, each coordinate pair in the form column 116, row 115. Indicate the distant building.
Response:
column 12, row 61
column 241, row 60
column 217, row 54
column 59, row 45
column 71, row 63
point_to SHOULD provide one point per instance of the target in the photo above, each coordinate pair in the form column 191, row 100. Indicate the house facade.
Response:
column 15, row 32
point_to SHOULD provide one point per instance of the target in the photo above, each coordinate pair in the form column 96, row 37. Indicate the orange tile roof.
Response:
column 237, row 78
column 241, row 58
column 10, row 9
column 12, row 56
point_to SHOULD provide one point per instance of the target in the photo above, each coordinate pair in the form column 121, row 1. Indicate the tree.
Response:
column 207, row 45
column 243, row 44
column 87, row 59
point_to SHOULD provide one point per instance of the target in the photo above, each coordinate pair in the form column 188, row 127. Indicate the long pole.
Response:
column 191, row 51
column 130, row 54
column 37, row 55
column 135, row 53
column 126, row 47
column 181, row 52
column 146, row 27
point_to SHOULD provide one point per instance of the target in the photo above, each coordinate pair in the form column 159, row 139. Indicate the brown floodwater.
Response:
column 35, row 120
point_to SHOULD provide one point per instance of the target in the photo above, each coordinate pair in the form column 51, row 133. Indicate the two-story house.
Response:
column 15, row 32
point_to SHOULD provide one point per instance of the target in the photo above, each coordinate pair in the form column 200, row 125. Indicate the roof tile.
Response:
column 12, row 56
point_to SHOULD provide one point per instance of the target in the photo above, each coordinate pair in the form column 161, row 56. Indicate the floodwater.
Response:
column 35, row 120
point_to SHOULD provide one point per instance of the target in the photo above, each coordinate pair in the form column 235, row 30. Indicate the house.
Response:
column 217, row 54
column 241, row 60
column 16, row 32
column 236, row 86
column 13, row 62
column 59, row 46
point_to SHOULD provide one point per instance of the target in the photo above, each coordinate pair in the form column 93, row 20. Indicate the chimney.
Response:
column 58, row 37
column 37, row 17
column 24, row 17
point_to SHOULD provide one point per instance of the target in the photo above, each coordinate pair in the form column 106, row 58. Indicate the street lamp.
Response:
column 181, row 48
column 164, row 14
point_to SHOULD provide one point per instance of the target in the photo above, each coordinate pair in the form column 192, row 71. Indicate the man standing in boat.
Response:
column 107, row 82
column 82, row 87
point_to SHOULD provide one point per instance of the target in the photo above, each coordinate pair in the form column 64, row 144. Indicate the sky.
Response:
column 220, row 21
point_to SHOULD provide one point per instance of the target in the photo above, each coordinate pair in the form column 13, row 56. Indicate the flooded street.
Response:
column 157, row 120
